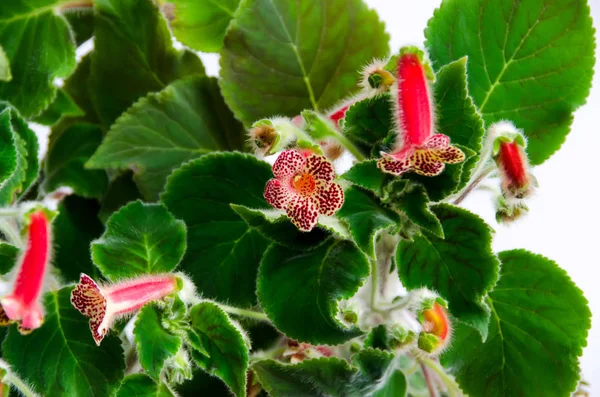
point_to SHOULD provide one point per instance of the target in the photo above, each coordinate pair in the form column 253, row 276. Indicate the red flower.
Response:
column 417, row 148
column 304, row 188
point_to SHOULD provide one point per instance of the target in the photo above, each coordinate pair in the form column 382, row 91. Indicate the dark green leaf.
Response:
column 203, row 384
column 81, row 21
column 154, row 343
column 366, row 175
column 38, row 44
column 8, row 149
column 300, row 290
column 74, row 228
column 529, row 62
column 461, row 267
column 281, row 57
column 395, row 386
column 73, row 365
column 121, row 191
column 139, row 239
column 414, row 203
column 77, row 87
column 228, row 353
column 201, row 26
column 132, row 59
column 163, row 130
column 540, row 321
column 61, row 106
column 223, row 252
column 8, row 257
column 366, row 216
column 139, row 385
column 71, row 144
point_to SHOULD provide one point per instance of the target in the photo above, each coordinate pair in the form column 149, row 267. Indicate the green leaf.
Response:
column 163, row 130
column 203, row 384
column 223, row 252
column 154, row 343
column 300, row 290
column 228, row 351
column 520, row 56
column 540, row 321
column 324, row 377
column 121, row 191
column 395, row 386
column 139, row 385
column 201, row 26
column 39, row 46
column 71, row 144
column 77, row 87
column 62, row 106
column 366, row 216
column 281, row 57
column 5, row 74
column 140, row 239
column 81, row 21
column 275, row 226
column 74, row 228
column 414, row 203
column 132, row 59
column 73, row 364
column 8, row 148
column 8, row 257
column 461, row 267
column 366, row 175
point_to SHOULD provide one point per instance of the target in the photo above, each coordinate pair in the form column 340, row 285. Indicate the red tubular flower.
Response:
column 339, row 114
column 103, row 304
column 514, row 170
column 417, row 148
column 304, row 188
column 23, row 304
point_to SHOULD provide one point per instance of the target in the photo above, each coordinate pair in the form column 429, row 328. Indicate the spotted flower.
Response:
column 103, row 304
column 303, row 187
column 417, row 148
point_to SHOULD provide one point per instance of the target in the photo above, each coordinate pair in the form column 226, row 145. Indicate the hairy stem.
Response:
column 432, row 392
column 474, row 184
column 448, row 381
column 345, row 142
column 11, row 231
column 11, row 379
column 244, row 312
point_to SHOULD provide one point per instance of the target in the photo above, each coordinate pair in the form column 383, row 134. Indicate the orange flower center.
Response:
column 436, row 321
column 304, row 184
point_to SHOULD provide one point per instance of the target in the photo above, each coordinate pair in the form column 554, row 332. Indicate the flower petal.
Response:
column 303, row 212
column 330, row 198
column 425, row 162
column 320, row 168
column 277, row 194
column 288, row 163
column 4, row 320
column 393, row 165
column 451, row 155
column 89, row 300
column 437, row 141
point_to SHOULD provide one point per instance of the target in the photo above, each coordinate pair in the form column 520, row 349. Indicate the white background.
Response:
column 565, row 212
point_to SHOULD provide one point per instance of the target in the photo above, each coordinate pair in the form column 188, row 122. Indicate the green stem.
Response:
column 244, row 312
column 374, row 285
column 11, row 379
column 345, row 142
column 473, row 185
column 8, row 227
column 451, row 386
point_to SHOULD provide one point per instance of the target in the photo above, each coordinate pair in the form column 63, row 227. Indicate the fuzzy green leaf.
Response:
column 139, row 239
column 73, row 364
column 540, row 321
column 203, row 384
column 366, row 217
column 154, row 343
column 8, row 257
column 81, row 21
column 5, row 74
column 139, row 385
column 366, row 175
column 131, row 59
column 300, row 290
column 201, row 25
column 228, row 353
column 71, row 144
column 282, row 57
column 414, row 203
column 77, row 87
column 121, row 191
column 223, row 252
column 38, row 43
column 163, row 130
column 62, row 105
column 461, row 267
column 530, row 62
column 8, row 148
column 395, row 386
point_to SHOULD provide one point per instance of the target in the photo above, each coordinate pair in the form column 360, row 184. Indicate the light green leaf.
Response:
column 154, row 343
column 366, row 175
column 540, row 321
column 366, row 217
column 8, row 148
column 73, row 365
column 163, row 130
column 74, row 228
column 5, row 74
column 139, row 239
column 300, row 290
column 461, row 267
column 281, row 57
column 223, row 252
column 414, row 203
column 226, row 346
column 8, row 257
column 139, row 385
column 395, row 386
column 529, row 62
column 201, row 25
column 61, row 106
column 39, row 46
column 71, row 144
column 132, row 59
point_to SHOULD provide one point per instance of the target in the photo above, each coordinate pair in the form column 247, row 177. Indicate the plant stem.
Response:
column 10, row 230
column 451, row 386
column 11, row 379
column 432, row 392
column 374, row 285
column 350, row 147
column 77, row 4
column 474, row 184
column 244, row 312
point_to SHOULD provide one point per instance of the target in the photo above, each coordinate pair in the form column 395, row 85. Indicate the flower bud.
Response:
column 375, row 79
column 436, row 328
column 268, row 136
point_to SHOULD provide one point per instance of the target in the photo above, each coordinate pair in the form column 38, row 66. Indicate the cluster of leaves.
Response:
column 153, row 152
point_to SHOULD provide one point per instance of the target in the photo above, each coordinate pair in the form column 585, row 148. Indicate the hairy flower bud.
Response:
column 435, row 336
column 375, row 79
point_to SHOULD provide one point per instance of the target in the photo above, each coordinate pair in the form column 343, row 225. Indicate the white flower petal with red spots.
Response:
column 288, row 163
column 277, row 194
column 393, row 165
column 438, row 141
column 89, row 300
column 330, row 198
column 319, row 167
column 303, row 212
